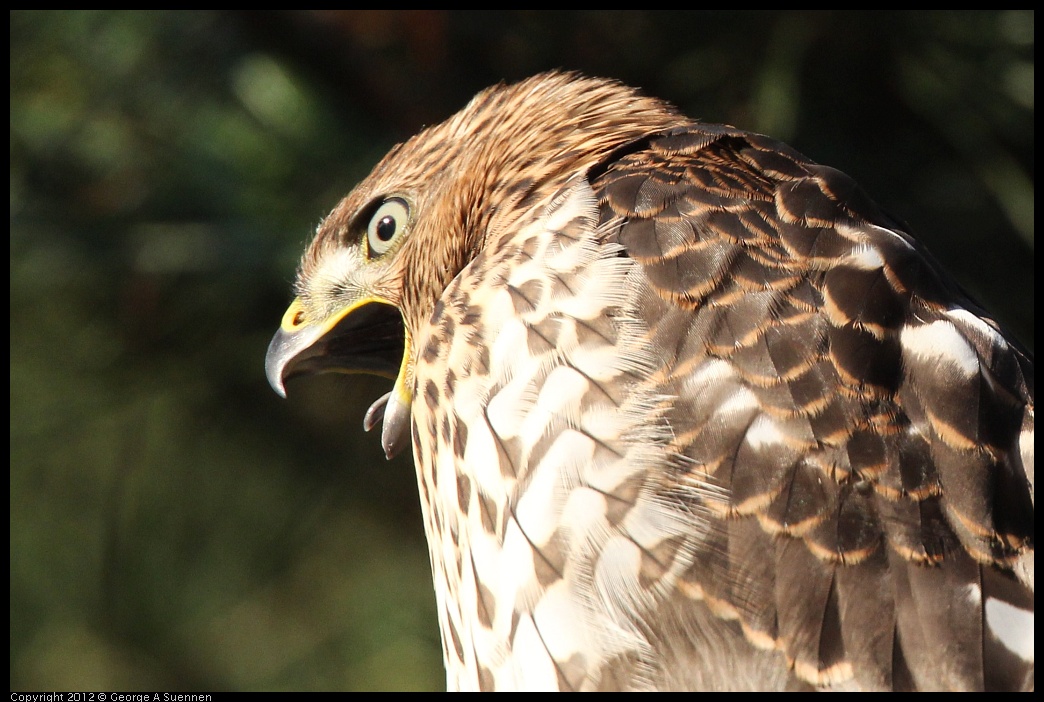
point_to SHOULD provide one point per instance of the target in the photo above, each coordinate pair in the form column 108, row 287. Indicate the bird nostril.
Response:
column 298, row 319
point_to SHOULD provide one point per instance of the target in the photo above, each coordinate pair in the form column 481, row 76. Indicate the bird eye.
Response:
column 386, row 225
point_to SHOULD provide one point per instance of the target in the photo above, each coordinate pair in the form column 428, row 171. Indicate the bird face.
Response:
column 373, row 271
column 346, row 315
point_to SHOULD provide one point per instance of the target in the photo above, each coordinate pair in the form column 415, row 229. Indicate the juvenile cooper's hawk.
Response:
column 688, row 410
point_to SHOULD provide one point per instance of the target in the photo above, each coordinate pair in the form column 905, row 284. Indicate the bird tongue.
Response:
column 376, row 412
column 395, row 412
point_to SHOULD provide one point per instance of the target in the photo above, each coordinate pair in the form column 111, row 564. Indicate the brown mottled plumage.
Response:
column 688, row 410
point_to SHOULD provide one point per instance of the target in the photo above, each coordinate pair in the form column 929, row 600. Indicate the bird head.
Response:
column 379, row 262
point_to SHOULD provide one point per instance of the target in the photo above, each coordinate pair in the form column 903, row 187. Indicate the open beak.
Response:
column 365, row 337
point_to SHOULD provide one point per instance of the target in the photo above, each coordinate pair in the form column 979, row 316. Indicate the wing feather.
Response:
column 865, row 417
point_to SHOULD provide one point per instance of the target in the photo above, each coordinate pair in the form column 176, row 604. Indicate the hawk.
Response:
column 688, row 410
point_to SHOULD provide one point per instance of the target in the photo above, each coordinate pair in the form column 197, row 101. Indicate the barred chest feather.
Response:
column 546, row 504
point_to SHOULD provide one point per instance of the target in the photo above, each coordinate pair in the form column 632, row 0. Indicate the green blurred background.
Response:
column 174, row 524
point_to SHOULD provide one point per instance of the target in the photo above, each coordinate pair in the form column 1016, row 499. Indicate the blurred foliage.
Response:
column 174, row 524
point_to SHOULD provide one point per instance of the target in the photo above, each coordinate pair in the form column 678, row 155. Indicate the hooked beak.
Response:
column 367, row 336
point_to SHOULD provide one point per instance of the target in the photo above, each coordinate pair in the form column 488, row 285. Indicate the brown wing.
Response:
column 872, row 426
